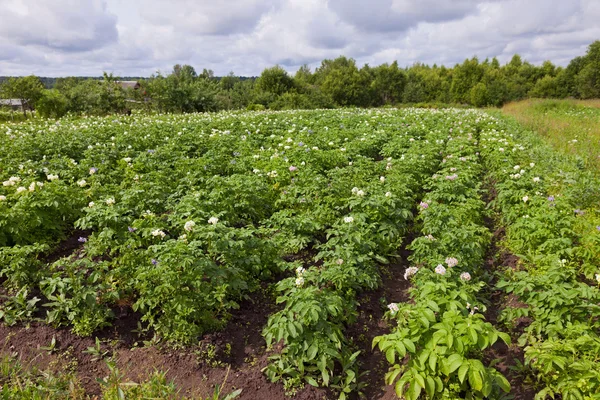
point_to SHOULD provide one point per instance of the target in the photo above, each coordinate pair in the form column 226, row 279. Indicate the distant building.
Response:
column 129, row 84
column 13, row 104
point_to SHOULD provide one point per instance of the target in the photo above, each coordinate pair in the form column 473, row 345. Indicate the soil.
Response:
column 232, row 358
column 369, row 324
column 505, row 357
column 238, row 353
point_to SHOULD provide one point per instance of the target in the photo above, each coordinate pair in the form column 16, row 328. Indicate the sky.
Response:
column 141, row 37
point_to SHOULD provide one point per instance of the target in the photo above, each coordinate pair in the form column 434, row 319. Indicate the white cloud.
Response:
column 66, row 25
column 85, row 37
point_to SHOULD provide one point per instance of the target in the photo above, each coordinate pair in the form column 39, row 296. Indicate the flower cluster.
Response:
column 189, row 226
column 299, row 276
column 465, row 276
column 410, row 271
column 358, row 192
column 13, row 180
column 440, row 269
column 213, row 220
column 393, row 307
column 158, row 232
column 451, row 262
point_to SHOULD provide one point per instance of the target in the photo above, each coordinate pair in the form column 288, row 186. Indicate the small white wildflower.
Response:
column 213, row 220
column 299, row 281
column 440, row 269
column 32, row 187
column 536, row 179
column 21, row 189
column 360, row 193
column 189, row 226
column 388, row 194
column 183, row 238
column 382, row 178
column 348, row 220
column 91, row 204
column 2, row 198
column 597, row 275
column 14, row 179
column 532, row 165
column 110, row 201
column 300, row 271
column 127, row 159
column 339, row 261
column 525, row 199
column 82, row 183
column 465, row 276
column 517, row 167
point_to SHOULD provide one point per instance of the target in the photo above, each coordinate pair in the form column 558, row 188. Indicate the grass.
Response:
column 571, row 126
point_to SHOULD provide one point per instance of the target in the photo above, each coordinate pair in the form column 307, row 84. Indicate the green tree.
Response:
column 274, row 80
column 342, row 81
column 388, row 83
column 464, row 77
column 52, row 104
column 547, row 87
column 479, row 95
column 587, row 80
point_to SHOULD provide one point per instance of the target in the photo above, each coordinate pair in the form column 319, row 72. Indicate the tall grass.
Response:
column 572, row 126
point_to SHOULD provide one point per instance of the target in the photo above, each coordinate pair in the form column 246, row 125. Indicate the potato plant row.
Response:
column 549, row 206
column 435, row 348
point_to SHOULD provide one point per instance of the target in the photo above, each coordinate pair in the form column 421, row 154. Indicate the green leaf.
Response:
column 410, row 346
column 414, row 391
column 312, row 351
column 454, row 362
column 475, row 379
column 462, row 371
column 502, row 382
column 433, row 361
column 418, row 378
column 430, row 386
column 390, row 355
column 311, row 381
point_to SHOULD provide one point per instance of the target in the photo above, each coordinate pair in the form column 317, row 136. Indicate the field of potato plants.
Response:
column 177, row 226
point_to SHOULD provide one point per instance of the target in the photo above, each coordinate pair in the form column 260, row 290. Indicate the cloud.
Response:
column 399, row 15
column 66, row 25
column 207, row 17
column 137, row 38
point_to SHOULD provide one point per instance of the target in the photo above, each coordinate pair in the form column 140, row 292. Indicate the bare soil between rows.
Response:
column 196, row 370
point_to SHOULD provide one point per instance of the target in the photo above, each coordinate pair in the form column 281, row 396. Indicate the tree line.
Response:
column 335, row 83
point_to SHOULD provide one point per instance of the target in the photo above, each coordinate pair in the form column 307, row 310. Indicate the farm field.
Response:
column 374, row 253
